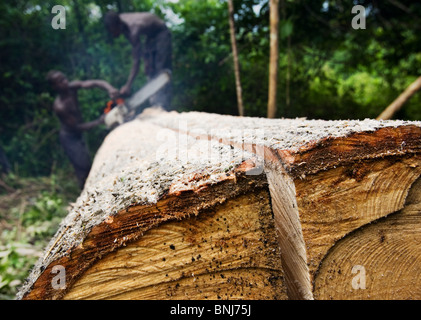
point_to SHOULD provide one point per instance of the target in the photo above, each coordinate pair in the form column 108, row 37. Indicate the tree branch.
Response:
column 396, row 105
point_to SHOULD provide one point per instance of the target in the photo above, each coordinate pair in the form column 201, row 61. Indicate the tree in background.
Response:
column 274, row 58
column 397, row 104
column 326, row 69
column 235, row 58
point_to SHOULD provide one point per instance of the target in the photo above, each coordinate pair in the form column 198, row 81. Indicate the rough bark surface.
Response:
column 297, row 196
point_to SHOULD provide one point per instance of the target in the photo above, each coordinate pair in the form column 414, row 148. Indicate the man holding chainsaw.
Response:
column 66, row 107
column 156, row 53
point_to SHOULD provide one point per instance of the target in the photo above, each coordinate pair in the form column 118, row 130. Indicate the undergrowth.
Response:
column 30, row 212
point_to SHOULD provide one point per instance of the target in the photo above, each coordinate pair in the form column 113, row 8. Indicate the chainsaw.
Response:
column 119, row 110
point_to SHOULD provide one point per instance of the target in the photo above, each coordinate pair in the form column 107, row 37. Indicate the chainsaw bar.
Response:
column 120, row 113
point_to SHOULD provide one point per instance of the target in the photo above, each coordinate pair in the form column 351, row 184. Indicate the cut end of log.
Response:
column 380, row 261
column 204, row 206
column 213, row 255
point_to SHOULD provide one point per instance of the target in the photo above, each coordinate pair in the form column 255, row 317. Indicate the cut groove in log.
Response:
column 165, row 174
column 291, row 240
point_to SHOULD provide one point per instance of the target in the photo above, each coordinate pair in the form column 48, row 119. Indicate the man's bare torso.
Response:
column 142, row 23
column 67, row 110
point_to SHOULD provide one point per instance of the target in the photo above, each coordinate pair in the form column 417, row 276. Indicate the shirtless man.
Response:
column 157, row 51
column 66, row 107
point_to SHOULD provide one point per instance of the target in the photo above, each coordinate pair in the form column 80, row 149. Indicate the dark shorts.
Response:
column 76, row 150
column 157, row 56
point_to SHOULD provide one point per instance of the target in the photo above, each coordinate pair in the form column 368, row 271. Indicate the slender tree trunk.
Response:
column 119, row 6
column 274, row 57
column 79, row 19
column 123, row 6
column 396, row 105
column 288, row 76
column 235, row 56
column 288, row 69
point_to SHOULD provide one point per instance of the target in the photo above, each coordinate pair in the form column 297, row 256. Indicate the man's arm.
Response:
column 125, row 90
column 88, row 84
column 70, row 121
column 92, row 124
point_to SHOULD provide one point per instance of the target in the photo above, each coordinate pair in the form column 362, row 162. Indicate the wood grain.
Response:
column 334, row 203
column 388, row 250
column 230, row 252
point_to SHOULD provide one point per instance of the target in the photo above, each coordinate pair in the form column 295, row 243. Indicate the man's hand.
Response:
column 125, row 90
column 113, row 93
column 101, row 119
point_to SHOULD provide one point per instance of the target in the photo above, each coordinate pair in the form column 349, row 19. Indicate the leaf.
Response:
column 286, row 28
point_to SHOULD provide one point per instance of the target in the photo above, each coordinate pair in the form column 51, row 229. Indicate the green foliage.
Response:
column 334, row 71
column 28, row 224
column 22, row 245
column 45, row 208
column 14, row 266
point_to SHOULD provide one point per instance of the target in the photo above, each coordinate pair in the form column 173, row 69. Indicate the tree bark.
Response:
column 274, row 57
column 396, row 105
column 206, row 206
column 235, row 58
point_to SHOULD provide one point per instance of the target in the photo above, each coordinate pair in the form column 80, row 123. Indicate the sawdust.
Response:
column 282, row 134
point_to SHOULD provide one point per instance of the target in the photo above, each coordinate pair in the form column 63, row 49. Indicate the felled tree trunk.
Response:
column 205, row 206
